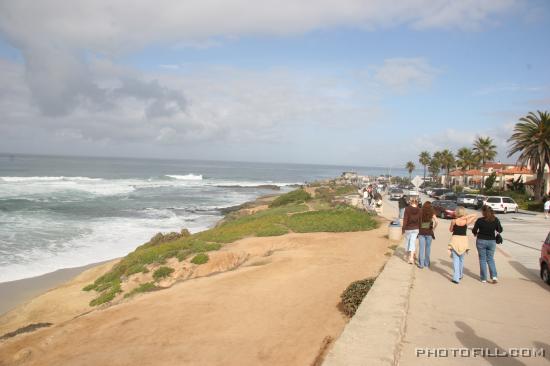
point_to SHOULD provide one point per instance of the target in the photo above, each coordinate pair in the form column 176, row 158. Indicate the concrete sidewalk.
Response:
column 438, row 314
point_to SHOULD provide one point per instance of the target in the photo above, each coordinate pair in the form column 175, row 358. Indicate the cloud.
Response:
column 111, row 26
column 454, row 139
column 401, row 74
column 508, row 88
column 220, row 104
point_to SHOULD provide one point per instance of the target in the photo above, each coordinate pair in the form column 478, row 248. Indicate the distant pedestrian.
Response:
column 546, row 208
column 485, row 230
column 402, row 205
column 458, row 246
column 426, row 233
column 411, row 227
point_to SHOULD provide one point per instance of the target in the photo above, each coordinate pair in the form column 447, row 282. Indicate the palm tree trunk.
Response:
column 539, row 185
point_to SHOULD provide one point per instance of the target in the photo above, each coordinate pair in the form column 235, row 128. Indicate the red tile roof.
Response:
column 516, row 170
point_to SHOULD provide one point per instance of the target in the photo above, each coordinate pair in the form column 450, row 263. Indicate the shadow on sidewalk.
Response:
column 467, row 272
column 546, row 348
column 435, row 268
column 469, row 339
column 530, row 275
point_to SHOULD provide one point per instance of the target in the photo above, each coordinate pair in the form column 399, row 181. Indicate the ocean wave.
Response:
column 95, row 241
column 49, row 179
column 185, row 177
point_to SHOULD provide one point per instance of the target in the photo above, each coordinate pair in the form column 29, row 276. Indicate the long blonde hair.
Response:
column 460, row 211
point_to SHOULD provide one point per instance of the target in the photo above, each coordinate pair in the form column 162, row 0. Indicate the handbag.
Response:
column 498, row 237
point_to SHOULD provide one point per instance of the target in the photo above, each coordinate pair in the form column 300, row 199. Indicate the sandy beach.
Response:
column 14, row 293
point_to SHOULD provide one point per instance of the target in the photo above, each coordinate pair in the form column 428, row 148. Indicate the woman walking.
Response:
column 485, row 229
column 458, row 246
column 411, row 227
column 426, row 234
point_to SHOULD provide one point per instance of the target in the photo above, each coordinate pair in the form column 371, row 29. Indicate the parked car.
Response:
column 396, row 193
column 445, row 209
column 437, row 193
column 502, row 204
column 545, row 260
column 467, row 200
column 448, row 197
column 480, row 201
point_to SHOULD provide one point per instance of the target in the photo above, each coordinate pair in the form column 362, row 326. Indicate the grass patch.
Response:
column 297, row 196
column 144, row 287
column 108, row 293
column 200, row 258
column 335, row 220
column 162, row 272
column 354, row 295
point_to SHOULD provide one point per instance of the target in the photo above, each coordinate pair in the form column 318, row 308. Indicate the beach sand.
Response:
column 278, row 307
column 14, row 293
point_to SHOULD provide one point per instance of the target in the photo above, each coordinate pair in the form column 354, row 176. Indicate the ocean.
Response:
column 63, row 212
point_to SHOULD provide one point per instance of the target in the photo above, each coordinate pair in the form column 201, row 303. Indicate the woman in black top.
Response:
column 485, row 229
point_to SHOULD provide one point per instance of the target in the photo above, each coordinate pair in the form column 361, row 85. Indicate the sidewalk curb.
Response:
column 373, row 336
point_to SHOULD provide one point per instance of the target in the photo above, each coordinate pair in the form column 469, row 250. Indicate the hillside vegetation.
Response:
column 297, row 211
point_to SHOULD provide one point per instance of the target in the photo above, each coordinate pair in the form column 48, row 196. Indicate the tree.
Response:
column 466, row 159
column 424, row 159
column 410, row 168
column 447, row 160
column 485, row 151
column 531, row 138
column 434, row 167
column 490, row 181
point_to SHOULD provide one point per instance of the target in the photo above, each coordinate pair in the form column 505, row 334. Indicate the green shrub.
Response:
column 89, row 287
column 297, row 196
column 354, row 295
column 162, row 272
column 108, row 294
column 144, row 287
column 335, row 220
column 136, row 268
column 200, row 258
column 535, row 206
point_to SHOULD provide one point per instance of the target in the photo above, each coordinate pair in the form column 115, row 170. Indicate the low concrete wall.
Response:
column 373, row 335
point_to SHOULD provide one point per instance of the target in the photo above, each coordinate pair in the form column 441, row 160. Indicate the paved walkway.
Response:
column 515, row 313
column 412, row 312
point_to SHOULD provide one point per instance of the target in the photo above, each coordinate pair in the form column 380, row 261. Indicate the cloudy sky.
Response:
column 311, row 81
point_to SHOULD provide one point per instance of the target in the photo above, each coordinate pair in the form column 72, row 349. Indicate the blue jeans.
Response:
column 458, row 266
column 424, row 246
column 486, row 251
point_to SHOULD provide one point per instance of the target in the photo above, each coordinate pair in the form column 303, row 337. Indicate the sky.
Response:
column 347, row 82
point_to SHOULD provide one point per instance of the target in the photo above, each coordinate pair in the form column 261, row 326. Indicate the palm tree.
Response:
column 531, row 138
column 434, row 166
column 465, row 160
column 485, row 151
column 410, row 168
column 447, row 160
column 424, row 159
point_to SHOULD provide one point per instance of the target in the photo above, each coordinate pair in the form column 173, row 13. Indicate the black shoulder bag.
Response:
column 498, row 237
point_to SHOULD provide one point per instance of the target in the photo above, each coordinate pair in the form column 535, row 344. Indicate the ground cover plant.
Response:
column 354, row 294
column 296, row 211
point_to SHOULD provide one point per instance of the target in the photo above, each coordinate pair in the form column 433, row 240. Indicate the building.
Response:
column 505, row 175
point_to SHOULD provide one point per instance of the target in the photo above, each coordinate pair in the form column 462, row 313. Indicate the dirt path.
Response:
column 274, row 310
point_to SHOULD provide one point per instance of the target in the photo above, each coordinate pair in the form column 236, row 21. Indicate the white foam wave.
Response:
column 185, row 177
column 48, row 179
column 102, row 240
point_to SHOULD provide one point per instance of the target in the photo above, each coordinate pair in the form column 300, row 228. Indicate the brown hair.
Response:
column 427, row 211
column 488, row 213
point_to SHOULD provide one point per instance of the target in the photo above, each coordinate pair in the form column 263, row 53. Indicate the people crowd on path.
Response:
column 419, row 223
